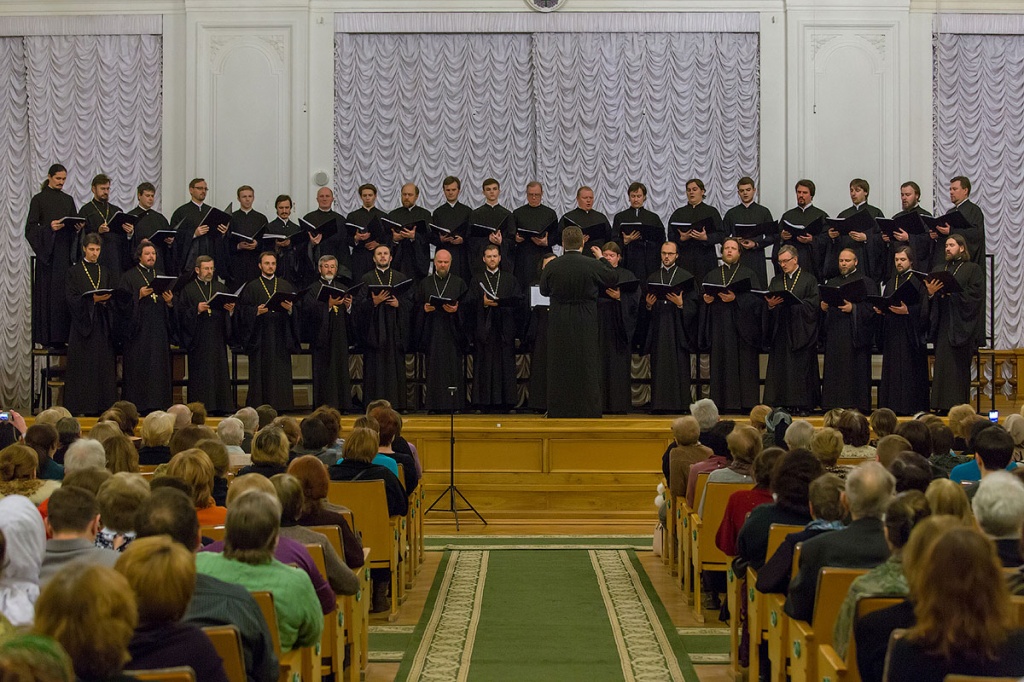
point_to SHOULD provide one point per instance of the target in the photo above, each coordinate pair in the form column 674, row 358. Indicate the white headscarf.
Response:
column 23, row 529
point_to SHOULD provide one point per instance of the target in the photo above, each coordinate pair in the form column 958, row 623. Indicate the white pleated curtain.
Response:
column 602, row 109
column 90, row 102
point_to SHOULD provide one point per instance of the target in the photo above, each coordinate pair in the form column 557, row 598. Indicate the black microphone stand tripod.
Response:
column 452, row 490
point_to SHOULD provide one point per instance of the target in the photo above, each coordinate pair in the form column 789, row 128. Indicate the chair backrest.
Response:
column 333, row 534
column 716, row 497
column 1017, row 611
column 215, row 533
column 796, row 560
column 228, row 643
column 833, row 584
column 147, row 468
column 702, row 482
column 776, row 534
column 265, row 600
column 369, row 502
column 178, row 674
column 319, row 560
column 401, row 475
column 865, row 606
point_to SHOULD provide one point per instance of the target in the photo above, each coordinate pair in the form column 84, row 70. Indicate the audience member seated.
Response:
column 269, row 453
column 904, row 512
column 827, row 512
column 6, row 629
column 742, row 502
column 287, row 551
column 799, row 434
column 948, row 498
column 999, row 508
column 162, row 574
column 121, row 455
column 317, row 511
column 993, row 448
column 182, row 415
column 744, row 445
column 831, row 417
column 68, row 431
column 882, row 422
column 918, row 435
column 1014, row 426
column 72, row 522
column 943, row 459
column 827, row 445
column 706, row 413
column 49, row 416
column 292, row 432
column 889, row 447
column 187, row 436
column 195, row 468
column 25, row 657
column 390, row 424
column 267, row 414
column 157, row 429
column 315, row 439
column 119, row 499
column 218, row 455
column 44, row 440
column 961, row 568
column 90, row 610
column 289, row 492
column 250, row 425
column 332, row 420
column 18, row 468
column 776, row 424
column 869, row 489
column 960, row 419
column 791, row 479
column 856, row 435
column 684, row 451
column 231, row 433
column 248, row 560
column 84, row 453
column 214, row 602
column 198, row 411
column 25, row 543
column 118, row 417
column 911, row 471
column 101, row 431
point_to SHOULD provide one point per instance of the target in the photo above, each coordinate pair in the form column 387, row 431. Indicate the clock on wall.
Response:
column 545, row 5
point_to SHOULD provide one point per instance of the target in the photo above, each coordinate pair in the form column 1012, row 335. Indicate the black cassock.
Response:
column 732, row 333
column 205, row 337
column 616, row 327
column 362, row 257
column 754, row 214
column 385, row 335
column 491, row 216
column 695, row 256
column 904, row 386
column 494, row 335
column 90, row 384
column 115, row 253
column 147, row 224
column 641, row 257
column 920, row 244
column 269, row 340
column 791, row 379
column 454, row 217
column 573, row 283
column 188, row 247
column 957, row 328
column 146, row 354
column 441, row 337
column 292, row 263
column 870, row 254
column 670, row 335
column 244, row 265
column 327, row 331
column 582, row 219
column 536, row 343
column 974, row 235
column 849, row 337
column 811, row 255
column 55, row 252
column 527, row 255
column 412, row 256
column 337, row 246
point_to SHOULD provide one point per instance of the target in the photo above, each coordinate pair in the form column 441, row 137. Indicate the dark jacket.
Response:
column 167, row 645
column 152, row 455
column 351, row 470
column 774, row 576
column 752, row 543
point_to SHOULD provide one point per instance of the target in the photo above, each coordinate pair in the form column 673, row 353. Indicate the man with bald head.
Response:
column 849, row 331
column 411, row 246
column 440, row 335
column 337, row 246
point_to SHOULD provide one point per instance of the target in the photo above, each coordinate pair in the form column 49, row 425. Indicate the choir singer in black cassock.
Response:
column 411, row 244
column 116, row 254
column 194, row 237
column 573, row 283
column 957, row 325
column 920, row 244
column 493, row 215
column 383, row 319
column 494, row 329
column 244, row 255
column 90, row 385
column 810, row 249
column 670, row 326
column 973, row 234
column 453, row 215
column 326, row 327
column 585, row 216
column 204, row 331
column 749, row 212
column 291, row 260
column 56, row 247
column 791, row 379
column 146, row 356
column 535, row 225
column 365, row 241
column 696, row 246
column 148, row 222
column 639, row 255
column 535, row 342
column 269, row 335
column 849, row 332
column 337, row 245
column 730, row 328
column 904, row 386
column 440, row 335
column 867, row 246
column 616, row 318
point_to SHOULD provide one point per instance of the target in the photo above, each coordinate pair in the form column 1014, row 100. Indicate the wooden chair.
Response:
column 369, row 503
column 1017, row 611
column 297, row 664
column 350, row 614
column 148, row 468
column 704, row 552
column 363, row 605
column 778, row 626
column 830, row 665
column 684, row 530
column 215, row 533
column 670, row 542
column 805, row 638
column 179, row 674
column 331, row 645
column 757, row 622
column 228, row 643
column 734, row 597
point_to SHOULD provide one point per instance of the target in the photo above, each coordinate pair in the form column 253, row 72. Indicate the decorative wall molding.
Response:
column 68, row 25
column 533, row 22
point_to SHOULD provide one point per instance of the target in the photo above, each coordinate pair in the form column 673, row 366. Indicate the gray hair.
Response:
column 799, row 434
column 325, row 259
column 182, row 415
column 83, row 454
column 999, row 505
column 250, row 419
column 869, row 490
column 705, row 412
column 231, row 431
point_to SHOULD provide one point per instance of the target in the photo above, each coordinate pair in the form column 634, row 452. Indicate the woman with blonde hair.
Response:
column 960, row 419
column 269, row 453
column 195, row 468
column 18, row 467
column 157, row 429
column 101, row 431
column 948, row 497
column 827, row 445
column 121, row 455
